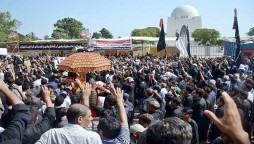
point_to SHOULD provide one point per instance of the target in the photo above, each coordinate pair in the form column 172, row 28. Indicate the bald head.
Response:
column 75, row 111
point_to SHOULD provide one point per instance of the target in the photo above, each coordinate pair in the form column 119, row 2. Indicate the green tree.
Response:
column 60, row 33
column 106, row 34
column 207, row 37
column 22, row 37
column 251, row 32
column 46, row 37
column 31, row 36
column 147, row 32
column 96, row 35
column 67, row 28
column 7, row 25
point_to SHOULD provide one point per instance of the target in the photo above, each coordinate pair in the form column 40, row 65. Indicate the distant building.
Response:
column 183, row 15
column 247, row 45
column 189, row 16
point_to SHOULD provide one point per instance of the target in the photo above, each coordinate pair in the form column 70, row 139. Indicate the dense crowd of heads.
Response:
column 169, row 97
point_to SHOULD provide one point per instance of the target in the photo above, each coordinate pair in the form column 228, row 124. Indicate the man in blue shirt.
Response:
column 110, row 129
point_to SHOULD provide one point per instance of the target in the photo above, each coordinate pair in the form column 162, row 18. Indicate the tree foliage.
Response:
column 31, row 36
column 28, row 37
column 106, row 34
column 7, row 26
column 96, row 35
column 60, row 33
column 46, row 37
column 147, row 32
column 207, row 37
column 21, row 37
column 251, row 32
column 67, row 28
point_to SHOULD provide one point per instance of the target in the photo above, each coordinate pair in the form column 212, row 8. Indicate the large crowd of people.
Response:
column 176, row 101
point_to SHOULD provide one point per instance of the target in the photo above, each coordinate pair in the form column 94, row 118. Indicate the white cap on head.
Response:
column 136, row 128
column 65, row 73
column 242, row 67
column 213, row 81
column 129, row 79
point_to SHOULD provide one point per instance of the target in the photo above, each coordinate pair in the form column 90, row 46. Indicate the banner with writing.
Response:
column 51, row 46
column 3, row 51
column 112, row 44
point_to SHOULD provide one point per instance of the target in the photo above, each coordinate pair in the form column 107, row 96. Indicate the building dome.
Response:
column 184, row 12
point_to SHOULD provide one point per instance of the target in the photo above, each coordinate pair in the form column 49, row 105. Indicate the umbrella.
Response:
column 85, row 62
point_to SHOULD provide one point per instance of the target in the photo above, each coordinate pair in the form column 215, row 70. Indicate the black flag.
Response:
column 161, row 43
column 239, row 58
column 188, row 41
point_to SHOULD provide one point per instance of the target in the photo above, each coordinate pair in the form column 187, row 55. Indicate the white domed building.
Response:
column 183, row 15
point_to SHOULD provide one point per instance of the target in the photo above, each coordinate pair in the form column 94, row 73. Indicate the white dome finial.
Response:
column 184, row 12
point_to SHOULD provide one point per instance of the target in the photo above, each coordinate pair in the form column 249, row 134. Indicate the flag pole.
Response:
column 18, row 44
column 166, row 51
column 239, row 58
column 188, row 41
column 161, row 42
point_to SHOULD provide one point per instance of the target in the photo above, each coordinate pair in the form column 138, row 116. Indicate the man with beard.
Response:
column 128, row 87
column 187, row 97
column 175, row 108
column 141, row 88
column 199, row 105
column 187, row 112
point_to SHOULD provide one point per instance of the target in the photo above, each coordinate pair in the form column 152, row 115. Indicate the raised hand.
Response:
column 117, row 93
column 230, row 124
column 87, row 90
column 15, row 86
column 85, row 94
column 3, row 85
column 45, row 92
column 46, row 96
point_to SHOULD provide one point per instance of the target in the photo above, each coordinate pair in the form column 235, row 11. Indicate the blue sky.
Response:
column 120, row 17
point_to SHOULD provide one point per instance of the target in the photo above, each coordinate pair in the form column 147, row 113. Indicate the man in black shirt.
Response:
column 214, row 130
column 198, row 107
column 34, row 131
column 175, row 108
column 187, row 97
column 141, row 88
column 187, row 112
column 20, row 117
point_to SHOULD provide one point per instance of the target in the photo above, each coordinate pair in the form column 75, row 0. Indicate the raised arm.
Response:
column 20, row 92
column 48, row 118
column 201, row 75
column 21, row 116
column 124, row 136
column 11, row 97
column 230, row 124
column 85, row 92
column 118, row 93
column 46, row 96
